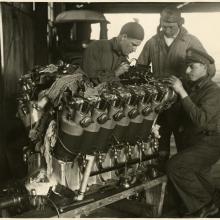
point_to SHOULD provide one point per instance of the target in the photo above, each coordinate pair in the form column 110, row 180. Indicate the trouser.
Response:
column 169, row 124
column 187, row 171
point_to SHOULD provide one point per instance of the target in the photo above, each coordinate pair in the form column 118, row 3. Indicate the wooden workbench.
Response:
column 104, row 199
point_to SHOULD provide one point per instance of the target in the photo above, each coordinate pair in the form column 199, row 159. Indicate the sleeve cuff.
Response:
column 187, row 103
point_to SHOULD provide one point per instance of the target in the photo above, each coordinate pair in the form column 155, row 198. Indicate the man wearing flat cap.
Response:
column 166, row 52
column 199, row 131
column 106, row 60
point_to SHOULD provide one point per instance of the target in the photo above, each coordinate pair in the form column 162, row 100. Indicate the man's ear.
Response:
column 124, row 36
column 205, row 66
column 181, row 22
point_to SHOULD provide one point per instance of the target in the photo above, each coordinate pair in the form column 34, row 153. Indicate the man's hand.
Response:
column 177, row 86
column 122, row 69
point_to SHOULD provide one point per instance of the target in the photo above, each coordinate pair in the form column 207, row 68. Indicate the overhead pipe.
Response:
column 183, row 5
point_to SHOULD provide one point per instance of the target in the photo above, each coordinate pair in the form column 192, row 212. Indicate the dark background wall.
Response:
column 24, row 45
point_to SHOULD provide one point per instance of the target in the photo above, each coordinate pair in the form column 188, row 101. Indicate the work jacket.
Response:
column 166, row 60
column 101, row 59
column 200, row 116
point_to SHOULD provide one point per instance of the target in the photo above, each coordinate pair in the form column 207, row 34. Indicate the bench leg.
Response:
column 162, row 195
column 155, row 198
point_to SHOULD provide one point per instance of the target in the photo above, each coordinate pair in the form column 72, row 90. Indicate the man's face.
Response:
column 128, row 45
column 195, row 71
column 169, row 29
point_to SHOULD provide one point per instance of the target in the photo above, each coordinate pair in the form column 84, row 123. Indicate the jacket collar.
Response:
column 200, row 83
column 115, row 46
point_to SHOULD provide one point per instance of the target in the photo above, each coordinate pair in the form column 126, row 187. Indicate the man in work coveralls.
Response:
column 199, row 133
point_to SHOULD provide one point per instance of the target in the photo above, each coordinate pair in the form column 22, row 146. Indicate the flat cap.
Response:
column 198, row 56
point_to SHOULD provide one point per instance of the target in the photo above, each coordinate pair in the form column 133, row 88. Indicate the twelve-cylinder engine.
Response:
column 92, row 136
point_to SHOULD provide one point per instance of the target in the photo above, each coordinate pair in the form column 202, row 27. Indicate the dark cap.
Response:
column 133, row 30
column 198, row 56
column 171, row 15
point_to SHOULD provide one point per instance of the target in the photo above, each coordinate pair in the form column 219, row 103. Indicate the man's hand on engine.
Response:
column 122, row 69
column 177, row 86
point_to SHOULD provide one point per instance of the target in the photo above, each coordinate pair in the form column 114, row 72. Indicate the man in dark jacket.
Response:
column 199, row 131
column 166, row 52
column 106, row 60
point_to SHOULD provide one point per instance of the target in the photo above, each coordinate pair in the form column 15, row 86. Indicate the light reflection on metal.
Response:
column 1, row 42
column 33, row 6
column 50, row 18
column 183, row 5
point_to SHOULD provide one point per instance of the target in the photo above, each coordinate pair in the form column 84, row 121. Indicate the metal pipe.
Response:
column 50, row 11
column 10, row 201
column 2, row 73
column 121, row 165
column 2, row 42
column 50, row 18
column 183, row 5
column 86, row 175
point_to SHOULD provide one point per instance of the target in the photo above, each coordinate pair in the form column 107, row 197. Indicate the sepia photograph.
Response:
column 109, row 109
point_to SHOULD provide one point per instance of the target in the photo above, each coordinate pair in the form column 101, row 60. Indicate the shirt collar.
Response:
column 168, row 41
